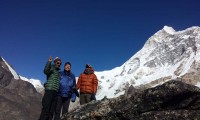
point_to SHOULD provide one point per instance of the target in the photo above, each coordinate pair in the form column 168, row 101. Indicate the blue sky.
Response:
column 104, row 33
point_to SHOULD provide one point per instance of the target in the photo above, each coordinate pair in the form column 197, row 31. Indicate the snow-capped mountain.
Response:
column 15, row 75
column 166, row 55
column 19, row 98
column 36, row 83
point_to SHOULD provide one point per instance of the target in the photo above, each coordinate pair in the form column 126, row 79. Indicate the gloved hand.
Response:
column 73, row 98
column 76, row 92
column 93, row 97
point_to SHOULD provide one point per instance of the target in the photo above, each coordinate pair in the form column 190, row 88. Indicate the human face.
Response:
column 67, row 67
column 57, row 64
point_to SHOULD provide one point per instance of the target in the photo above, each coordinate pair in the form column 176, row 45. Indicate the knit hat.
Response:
column 88, row 66
column 68, row 63
column 57, row 59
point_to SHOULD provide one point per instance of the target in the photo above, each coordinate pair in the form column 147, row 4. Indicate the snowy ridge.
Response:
column 15, row 75
column 165, row 53
column 169, row 30
column 36, row 83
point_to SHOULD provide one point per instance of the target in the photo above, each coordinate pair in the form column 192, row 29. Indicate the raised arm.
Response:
column 47, row 67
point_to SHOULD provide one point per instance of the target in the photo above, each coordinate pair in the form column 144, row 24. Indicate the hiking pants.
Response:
column 62, row 103
column 48, row 104
column 85, row 98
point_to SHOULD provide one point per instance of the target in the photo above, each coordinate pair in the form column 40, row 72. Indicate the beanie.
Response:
column 68, row 63
column 88, row 66
column 57, row 59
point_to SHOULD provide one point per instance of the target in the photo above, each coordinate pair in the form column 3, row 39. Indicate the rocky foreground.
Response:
column 173, row 100
column 19, row 100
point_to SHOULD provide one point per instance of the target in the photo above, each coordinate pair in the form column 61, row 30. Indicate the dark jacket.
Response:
column 53, row 77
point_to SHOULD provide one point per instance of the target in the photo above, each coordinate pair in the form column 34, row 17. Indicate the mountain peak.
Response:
column 157, row 38
column 15, row 75
column 166, row 30
column 169, row 30
column 1, row 59
column 166, row 55
column 5, row 66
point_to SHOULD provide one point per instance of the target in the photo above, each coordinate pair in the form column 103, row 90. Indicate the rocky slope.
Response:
column 173, row 100
column 19, row 99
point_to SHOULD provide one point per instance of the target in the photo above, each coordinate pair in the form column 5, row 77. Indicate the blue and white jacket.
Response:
column 67, row 83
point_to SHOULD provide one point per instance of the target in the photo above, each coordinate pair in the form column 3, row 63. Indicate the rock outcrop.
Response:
column 173, row 100
column 19, row 100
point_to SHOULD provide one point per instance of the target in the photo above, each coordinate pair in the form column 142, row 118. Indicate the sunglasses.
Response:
column 58, row 63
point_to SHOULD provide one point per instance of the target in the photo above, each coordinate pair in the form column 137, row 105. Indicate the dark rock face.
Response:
column 5, row 75
column 173, row 100
column 19, row 99
column 19, row 102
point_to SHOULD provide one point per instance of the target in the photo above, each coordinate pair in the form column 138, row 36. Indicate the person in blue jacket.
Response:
column 66, row 91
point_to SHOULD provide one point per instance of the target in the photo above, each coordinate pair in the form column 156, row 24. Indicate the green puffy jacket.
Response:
column 53, row 77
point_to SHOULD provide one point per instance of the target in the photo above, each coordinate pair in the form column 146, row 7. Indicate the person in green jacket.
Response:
column 51, row 88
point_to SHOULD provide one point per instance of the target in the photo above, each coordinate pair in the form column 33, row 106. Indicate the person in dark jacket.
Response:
column 87, row 83
column 51, row 88
column 66, row 91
